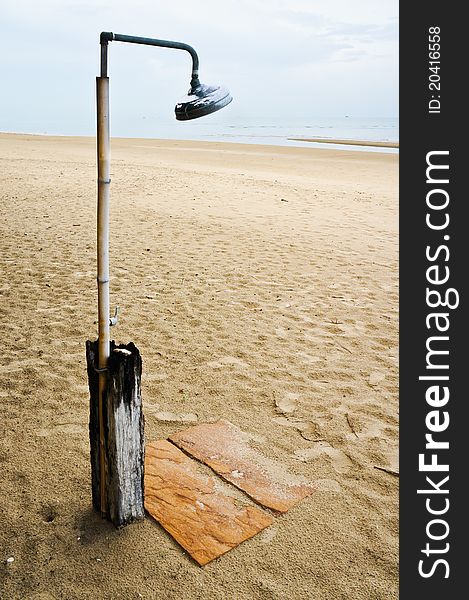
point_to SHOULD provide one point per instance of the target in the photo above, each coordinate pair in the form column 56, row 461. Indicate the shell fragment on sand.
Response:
column 186, row 502
column 225, row 448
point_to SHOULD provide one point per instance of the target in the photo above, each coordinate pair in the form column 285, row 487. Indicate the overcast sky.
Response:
column 280, row 59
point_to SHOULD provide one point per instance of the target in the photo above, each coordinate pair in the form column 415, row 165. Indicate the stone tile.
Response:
column 225, row 448
column 186, row 502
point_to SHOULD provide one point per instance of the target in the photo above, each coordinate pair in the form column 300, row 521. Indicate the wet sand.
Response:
column 348, row 142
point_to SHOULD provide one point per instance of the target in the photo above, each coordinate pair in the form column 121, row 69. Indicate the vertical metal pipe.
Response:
column 103, row 147
column 104, row 59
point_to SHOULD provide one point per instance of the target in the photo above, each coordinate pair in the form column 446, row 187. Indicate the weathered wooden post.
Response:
column 117, row 456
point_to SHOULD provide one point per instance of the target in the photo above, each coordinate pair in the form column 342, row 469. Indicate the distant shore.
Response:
column 348, row 142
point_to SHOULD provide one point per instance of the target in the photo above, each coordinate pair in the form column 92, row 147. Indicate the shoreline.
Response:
column 344, row 142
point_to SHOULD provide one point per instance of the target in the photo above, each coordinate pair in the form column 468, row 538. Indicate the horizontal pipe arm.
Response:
column 107, row 36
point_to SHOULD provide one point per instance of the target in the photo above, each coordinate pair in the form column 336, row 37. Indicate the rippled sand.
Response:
column 261, row 286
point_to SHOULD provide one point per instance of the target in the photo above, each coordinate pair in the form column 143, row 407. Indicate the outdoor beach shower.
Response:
column 200, row 100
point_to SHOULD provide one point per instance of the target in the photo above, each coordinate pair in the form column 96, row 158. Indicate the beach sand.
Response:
column 261, row 286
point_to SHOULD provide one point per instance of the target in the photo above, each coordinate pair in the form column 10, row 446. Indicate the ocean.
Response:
column 279, row 132
column 223, row 127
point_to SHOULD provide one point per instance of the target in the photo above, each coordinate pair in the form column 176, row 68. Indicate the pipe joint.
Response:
column 195, row 82
column 105, row 37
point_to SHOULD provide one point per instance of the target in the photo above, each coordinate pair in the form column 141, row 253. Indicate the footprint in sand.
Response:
column 376, row 377
column 152, row 409
column 249, row 304
column 327, row 485
column 392, row 458
column 281, row 333
column 158, row 376
column 63, row 428
column 374, row 430
column 340, row 461
column 41, row 596
column 17, row 365
column 307, row 358
column 288, row 404
column 230, row 361
column 308, row 430
column 82, row 387
column 170, row 417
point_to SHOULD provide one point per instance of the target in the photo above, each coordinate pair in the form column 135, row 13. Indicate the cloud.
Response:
column 307, row 55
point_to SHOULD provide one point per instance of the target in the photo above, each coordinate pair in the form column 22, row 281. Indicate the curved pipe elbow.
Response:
column 107, row 36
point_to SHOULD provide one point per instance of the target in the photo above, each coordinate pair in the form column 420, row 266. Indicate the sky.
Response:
column 282, row 60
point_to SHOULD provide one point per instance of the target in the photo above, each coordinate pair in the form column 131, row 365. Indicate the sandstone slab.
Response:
column 226, row 449
column 187, row 503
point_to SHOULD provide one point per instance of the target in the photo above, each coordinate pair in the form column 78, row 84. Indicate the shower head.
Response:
column 202, row 100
